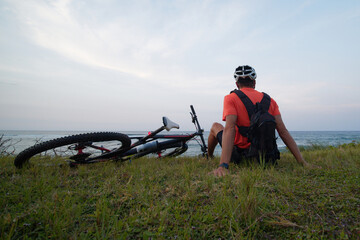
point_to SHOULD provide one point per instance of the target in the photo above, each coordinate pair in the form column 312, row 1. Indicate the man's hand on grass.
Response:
column 311, row 166
column 219, row 172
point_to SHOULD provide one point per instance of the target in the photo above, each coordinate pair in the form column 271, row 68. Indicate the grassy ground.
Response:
column 177, row 199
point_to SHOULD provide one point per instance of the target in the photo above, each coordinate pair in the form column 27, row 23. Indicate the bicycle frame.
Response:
column 138, row 149
column 170, row 141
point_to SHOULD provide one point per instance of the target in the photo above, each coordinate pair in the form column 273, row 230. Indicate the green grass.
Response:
column 177, row 199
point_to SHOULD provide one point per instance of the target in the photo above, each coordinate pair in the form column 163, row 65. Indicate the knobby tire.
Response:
column 25, row 155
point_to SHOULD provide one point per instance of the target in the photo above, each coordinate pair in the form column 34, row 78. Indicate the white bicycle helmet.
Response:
column 244, row 71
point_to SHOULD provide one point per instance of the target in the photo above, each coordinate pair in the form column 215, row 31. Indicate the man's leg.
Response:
column 212, row 140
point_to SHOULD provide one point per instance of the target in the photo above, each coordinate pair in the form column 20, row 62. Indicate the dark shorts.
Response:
column 238, row 154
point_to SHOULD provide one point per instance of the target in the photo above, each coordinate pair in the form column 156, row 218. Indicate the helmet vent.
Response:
column 244, row 71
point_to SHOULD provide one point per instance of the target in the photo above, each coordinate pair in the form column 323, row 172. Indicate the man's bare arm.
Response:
column 227, row 144
column 228, row 139
column 289, row 141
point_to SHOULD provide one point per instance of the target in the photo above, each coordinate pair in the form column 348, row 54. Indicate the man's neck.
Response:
column 251, row 88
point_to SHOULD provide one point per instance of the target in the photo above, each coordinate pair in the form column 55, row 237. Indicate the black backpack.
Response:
column 261, row 132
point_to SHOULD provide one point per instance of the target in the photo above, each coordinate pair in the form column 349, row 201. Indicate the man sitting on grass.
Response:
column 235, row 146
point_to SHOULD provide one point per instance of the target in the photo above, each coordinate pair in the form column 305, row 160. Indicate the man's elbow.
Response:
column 282, row 132
column 280, row 126
column 229, row 128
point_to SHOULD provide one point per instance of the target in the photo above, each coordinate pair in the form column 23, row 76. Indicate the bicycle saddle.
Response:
column 168, row 124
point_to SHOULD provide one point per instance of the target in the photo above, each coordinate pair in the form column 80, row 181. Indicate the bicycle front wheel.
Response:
column 78, row 147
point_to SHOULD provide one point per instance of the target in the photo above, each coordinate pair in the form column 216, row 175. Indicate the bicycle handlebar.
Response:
column 198, row 128
column 192, row 109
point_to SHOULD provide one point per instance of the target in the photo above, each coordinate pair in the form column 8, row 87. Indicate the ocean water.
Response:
column 21, row 140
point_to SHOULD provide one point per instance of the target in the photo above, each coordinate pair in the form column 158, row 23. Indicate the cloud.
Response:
column 54, row 28
column 180, row 51
column 143, row 42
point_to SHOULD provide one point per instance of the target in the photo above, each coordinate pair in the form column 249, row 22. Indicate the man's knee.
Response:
column 216, row 128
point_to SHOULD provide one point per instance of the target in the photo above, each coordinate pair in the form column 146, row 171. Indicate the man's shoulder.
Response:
column 272, row 99
column 250, row 92
column 230, row 94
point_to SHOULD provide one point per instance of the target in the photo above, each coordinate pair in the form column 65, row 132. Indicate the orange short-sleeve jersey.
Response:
column 234, row 106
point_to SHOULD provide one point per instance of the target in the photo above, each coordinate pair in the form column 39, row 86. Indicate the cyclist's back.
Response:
column 234, row 106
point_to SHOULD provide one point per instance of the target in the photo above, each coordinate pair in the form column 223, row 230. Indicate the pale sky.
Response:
column 122, row 65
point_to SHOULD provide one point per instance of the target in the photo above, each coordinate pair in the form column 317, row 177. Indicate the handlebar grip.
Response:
column 192, row 109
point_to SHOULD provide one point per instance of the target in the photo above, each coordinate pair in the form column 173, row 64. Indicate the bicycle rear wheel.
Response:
column 77, row 147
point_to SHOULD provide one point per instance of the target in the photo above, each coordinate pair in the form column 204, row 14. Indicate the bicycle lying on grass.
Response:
column 103, row 146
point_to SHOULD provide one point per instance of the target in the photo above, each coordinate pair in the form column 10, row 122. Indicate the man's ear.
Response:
column 237, row 84
column 254, row 83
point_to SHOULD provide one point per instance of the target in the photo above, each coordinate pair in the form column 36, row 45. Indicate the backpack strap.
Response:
column 265, row 102
column 250, row 107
